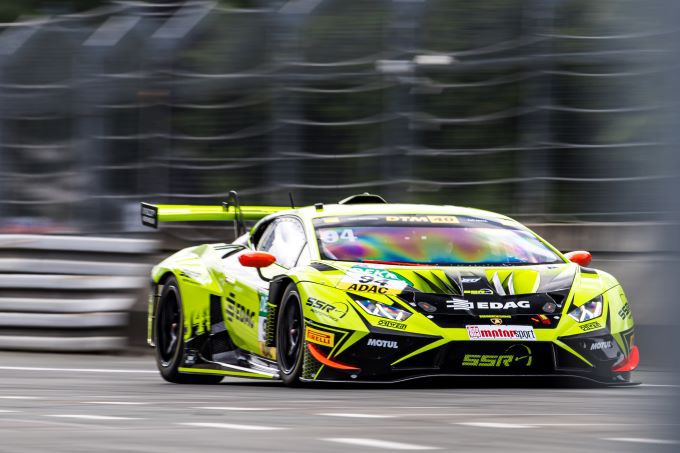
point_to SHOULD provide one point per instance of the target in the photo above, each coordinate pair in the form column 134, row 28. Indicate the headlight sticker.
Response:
column 590, row 310
column 368, row 279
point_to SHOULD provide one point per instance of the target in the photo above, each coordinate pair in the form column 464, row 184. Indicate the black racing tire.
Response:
column 169, row 338
column 290, row 337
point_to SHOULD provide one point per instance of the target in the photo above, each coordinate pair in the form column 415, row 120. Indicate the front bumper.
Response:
column 381, row 357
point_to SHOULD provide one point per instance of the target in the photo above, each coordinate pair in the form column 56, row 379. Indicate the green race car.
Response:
column 366, row 291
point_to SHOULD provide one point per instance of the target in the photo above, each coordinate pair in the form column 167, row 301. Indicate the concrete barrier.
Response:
column 69, row 293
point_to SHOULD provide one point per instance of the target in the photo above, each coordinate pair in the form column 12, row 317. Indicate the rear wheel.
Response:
column 290, row 331
column 169, row 338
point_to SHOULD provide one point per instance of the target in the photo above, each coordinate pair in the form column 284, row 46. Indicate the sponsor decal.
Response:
column 238, row 312
column 423, row 219
column 590, row 326
column 262, row 318
column 478, row 291
column 391, row 324
column 462, row 304
column 496, row 321
column 334, row 311
column 514, row 355
column 382, row 343
column 470, row 279
column 625, row 311
column 372, row 280
column 368, row 289
column 319, row 337
column 600, row 345
column 495, row 316
column 490, row 332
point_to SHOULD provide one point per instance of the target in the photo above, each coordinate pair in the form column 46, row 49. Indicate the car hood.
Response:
column 448, row 280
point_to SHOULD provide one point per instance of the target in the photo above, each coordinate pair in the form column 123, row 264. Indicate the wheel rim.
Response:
column 290, row 335
column 168, row 328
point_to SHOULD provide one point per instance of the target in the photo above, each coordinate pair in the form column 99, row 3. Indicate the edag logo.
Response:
column 499, row 332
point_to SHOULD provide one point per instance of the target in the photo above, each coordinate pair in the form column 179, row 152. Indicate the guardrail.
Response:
column 69, row 293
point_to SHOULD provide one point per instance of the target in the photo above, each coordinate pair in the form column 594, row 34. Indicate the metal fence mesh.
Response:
column 542, row 109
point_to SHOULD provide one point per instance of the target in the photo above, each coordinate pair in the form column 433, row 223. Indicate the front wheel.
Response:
column 169, row 338
column 290, row 334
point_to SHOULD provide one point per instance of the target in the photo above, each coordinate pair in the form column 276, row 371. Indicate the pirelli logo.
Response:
column 319, row 337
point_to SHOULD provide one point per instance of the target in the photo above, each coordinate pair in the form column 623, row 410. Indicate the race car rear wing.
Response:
column 153, row 214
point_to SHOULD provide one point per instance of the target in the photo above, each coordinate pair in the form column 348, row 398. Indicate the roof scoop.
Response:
column 363, row 198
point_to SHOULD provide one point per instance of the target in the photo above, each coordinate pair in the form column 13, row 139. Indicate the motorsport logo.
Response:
column 463, row 304
column 488, row 332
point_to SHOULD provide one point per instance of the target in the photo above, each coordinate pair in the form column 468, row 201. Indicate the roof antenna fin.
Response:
column 292, row 203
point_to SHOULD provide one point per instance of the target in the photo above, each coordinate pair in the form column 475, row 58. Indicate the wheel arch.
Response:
column 277, row 287
column 154, row 298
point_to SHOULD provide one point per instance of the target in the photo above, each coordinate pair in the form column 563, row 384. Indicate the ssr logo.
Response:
column 382, row 343
column 624, row 312
column 391, row 324
column 334, row 311
column 516, row 355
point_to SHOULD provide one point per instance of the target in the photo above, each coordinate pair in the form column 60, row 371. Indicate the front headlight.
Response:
column 590, row 310
column 383, row 310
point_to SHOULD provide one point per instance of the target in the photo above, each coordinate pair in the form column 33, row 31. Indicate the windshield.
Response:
column 434, row 240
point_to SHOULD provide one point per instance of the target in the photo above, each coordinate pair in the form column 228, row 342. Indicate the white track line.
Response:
column 19, row 397
column 115, row 403
column 5, row 411
column 233, row 408
column 385, row 444
column 539, row 425
column 642, row 440
column 494, row 425
column 91, row 417
column 234, row 426
column 75, row 370
column 353, row 415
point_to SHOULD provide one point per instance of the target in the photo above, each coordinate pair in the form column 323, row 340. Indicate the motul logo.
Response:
column 382, row 343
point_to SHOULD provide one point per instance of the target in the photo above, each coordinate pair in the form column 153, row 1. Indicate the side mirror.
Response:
column 580, row 257
column 256, row 259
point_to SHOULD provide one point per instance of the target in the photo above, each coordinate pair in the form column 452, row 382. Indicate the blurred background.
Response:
column 560, row 113
column 556, row 112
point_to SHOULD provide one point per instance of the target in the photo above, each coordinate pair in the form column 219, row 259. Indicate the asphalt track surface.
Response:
column 79, row 403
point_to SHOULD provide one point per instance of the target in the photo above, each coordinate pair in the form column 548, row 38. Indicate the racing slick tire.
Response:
column 169, row 338
column 290, row 334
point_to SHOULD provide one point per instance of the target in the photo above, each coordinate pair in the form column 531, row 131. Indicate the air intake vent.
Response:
column 363, row 198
